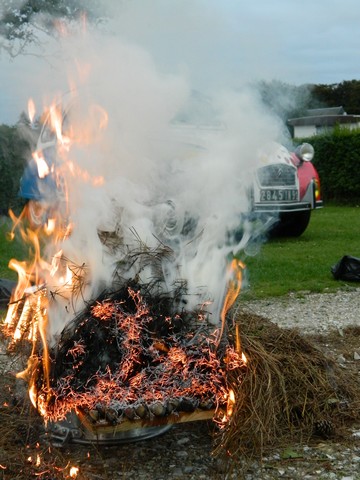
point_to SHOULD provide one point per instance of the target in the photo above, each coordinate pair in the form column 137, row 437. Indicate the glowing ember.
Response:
column 136, row 359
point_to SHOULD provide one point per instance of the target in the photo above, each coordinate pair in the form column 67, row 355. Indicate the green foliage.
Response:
column 345, row 94
column 29, row 23
column 13, row 153
column 302, row 264
column 16, row 18
column 337, row 159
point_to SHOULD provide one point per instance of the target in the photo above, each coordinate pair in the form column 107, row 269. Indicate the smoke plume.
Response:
column 166, row 182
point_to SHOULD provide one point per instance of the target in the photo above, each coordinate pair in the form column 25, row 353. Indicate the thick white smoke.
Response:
column 183, row 185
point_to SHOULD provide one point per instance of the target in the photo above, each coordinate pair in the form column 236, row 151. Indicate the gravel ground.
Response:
column 311, row 313
column 185, row 451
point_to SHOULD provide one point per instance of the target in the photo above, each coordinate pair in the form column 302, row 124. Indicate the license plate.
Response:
column 270, row 195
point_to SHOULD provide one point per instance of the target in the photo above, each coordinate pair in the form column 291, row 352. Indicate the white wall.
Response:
column 302, row 131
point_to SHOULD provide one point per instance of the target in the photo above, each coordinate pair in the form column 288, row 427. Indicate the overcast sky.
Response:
column 219, row 44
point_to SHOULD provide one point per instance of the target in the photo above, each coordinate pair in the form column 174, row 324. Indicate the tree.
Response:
column 289, row 101
column 345, row 94
column 29, row 22
column 14, row 150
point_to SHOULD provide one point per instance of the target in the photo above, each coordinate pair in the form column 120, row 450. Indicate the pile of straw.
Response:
column 290, row 391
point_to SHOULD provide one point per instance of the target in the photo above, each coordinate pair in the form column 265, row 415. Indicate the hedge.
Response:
column 337, row 159
column 14, row 150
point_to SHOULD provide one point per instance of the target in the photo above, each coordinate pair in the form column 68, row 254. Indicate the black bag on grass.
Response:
column 348, row 268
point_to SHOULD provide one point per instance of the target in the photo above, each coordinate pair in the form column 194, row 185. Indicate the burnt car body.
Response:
column 286, row 188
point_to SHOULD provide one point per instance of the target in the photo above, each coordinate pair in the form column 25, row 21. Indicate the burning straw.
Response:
column 128, row 355
column 124, row 357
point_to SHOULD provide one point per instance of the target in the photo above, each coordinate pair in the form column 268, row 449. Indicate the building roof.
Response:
column 324, row 120
column 314, row 112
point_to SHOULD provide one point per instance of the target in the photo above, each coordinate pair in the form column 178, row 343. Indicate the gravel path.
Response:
column 311, row 313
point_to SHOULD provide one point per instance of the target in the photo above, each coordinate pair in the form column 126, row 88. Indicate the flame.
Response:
column 50, row 226
column 230, row 400
column 230, row 403
column 37, row 461
column 56, row 121
column 237, row 358
column 44, row 227
column 31, row 110
column 73, row 472
column 235, row 270
column 42, row 166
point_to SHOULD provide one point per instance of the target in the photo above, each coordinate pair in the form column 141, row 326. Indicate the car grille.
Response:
column 277, row 175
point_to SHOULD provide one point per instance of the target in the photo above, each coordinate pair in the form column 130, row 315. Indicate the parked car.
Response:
column 286, row 189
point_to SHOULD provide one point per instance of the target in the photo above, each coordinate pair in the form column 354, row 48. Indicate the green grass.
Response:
column 303, row 264
column 9, row 249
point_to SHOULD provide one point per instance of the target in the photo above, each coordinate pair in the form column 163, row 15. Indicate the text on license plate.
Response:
column 269, row 195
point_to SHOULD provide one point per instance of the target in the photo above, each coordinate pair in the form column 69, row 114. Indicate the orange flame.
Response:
column 230, row 403
column 235, row 270
column 44, row 228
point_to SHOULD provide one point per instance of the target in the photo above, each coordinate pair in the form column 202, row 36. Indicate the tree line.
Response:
column 290, row 101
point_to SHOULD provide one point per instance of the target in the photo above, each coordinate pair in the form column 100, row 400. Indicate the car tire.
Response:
column 291, row 224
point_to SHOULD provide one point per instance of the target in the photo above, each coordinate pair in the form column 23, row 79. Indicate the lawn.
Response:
column 9, row 249
column 285, row 265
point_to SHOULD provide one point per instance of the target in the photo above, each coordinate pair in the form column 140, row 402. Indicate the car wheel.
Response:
column 291, row 224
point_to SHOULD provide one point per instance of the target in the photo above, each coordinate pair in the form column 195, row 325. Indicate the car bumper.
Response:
column 282, row 207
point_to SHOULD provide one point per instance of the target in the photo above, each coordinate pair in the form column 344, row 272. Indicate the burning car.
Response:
column 286, row 189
